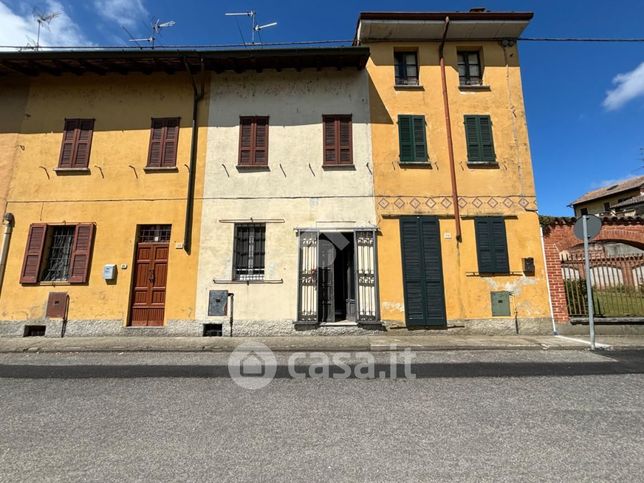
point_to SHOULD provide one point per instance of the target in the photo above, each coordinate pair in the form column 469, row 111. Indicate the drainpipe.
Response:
column 7, row 221
column 190, row 202
column 448, row 126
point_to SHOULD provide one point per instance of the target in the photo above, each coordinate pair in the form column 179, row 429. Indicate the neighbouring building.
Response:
column 625, row 198
column 459, row 240
column 289, row 218
column 101, row 192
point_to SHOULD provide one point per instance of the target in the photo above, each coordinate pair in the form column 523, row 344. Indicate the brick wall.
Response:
column 558, row 236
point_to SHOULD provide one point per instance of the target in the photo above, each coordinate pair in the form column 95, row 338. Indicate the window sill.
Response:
column 248, row 282
column 483, row 165
column 257, row 167
column 475, row 87
column 161, row 169
column 54, row 283
column 499, row 274
column 339, row 167
column 409, row 87
column 72, row 171
column 427, row 164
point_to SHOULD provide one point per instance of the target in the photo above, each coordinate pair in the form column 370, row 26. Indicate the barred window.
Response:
column 250, row 241
column 58, row 253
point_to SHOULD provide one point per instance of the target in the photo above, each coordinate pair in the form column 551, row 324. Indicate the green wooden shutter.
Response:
column 485, row 139
column 420, row 142
column 472, row 138
column 406, row 138
column 491, row 245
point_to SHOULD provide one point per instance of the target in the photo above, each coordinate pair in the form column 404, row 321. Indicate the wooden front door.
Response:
column 422, row 271
column 150, row 276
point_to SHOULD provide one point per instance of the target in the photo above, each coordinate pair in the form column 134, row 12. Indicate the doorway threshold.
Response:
column 342, row 323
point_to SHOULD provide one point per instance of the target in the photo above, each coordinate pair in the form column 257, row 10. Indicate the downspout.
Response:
column 198, row 94
column 448, row 126
column 7, row 221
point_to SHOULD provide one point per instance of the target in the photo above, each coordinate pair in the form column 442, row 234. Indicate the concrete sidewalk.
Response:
column 315, row 343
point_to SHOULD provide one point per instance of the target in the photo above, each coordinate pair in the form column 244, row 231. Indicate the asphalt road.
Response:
column 578, row 420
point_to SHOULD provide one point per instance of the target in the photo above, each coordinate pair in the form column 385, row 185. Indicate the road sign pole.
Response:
column 589, row 288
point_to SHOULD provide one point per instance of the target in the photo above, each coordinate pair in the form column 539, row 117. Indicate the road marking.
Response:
column 597, row 344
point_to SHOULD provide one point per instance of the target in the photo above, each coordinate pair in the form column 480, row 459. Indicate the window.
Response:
column 77, row 142
column 58, row 253
column 164, row 135
column 491, row 245
column 338, row 142
column 583, row 211
column 469, row 68
column 478, row 134
column 253, row 141
column 606, row 206
column 411, row 135
column 406, row 68
column 250, row 240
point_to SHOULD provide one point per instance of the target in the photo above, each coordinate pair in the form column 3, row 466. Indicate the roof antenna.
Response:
column 156, row 27
column 43, row 19
column 255, row 27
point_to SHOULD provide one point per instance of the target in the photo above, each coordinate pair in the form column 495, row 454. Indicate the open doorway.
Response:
column 336, row 277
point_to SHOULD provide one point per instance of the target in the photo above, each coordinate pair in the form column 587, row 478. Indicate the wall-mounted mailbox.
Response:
column 500, row 304
column 56, row 305
column 109, row 271
column 528, row 265
column 217, row 303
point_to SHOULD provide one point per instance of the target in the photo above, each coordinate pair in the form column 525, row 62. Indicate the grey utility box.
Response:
column 217, row 303
column 500, row 304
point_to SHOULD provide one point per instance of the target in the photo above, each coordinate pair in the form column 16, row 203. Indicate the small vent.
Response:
column 35, row 330
column 212, row 330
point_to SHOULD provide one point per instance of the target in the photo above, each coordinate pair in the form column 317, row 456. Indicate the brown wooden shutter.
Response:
column 170, row 143
column 345, row 143
column 246, row 141
column 261, row 141
column 33, row 253
column 155, row 154
column 81, row 252
column 69, row 142
column 330, row 154
column 83, row 143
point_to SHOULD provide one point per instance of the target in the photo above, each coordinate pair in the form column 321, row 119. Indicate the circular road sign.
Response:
column 593, row 225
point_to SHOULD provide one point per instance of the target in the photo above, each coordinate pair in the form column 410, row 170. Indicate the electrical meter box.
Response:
column 500, row 304
column 109, row 271
column 217, row 303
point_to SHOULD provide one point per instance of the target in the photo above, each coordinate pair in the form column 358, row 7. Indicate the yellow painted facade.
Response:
column 505, row 190
column 116, row 194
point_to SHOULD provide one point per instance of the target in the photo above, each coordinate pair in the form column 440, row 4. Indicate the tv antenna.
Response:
column 255, row 27
column 156, row 27
column 43, row 19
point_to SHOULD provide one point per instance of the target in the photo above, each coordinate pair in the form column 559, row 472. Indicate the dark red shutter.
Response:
column 83, row 143
column 170, row 144
column 33, row 253
column 81, row 252
column 69, row 142
column 330, row 154
column 246, row 141
column 156, row 144
column 345, row 143
column 261, row 141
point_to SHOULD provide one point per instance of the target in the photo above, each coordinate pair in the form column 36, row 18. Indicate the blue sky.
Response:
column 579, row 139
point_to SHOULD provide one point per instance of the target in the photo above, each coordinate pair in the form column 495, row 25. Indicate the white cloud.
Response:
column 629, row 86
column 21, row 29
column 123, row 12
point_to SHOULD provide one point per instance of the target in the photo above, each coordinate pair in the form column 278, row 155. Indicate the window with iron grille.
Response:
column 406, row 68
column 58, row 253
column 154, row 233
column 250, row 241
column 469, row 68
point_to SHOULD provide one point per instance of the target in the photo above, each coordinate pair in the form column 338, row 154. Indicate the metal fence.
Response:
column 617, row 284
